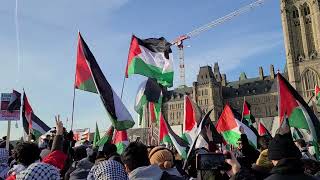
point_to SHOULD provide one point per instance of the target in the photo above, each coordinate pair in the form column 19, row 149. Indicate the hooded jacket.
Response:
column 146, row 172
column 82, row 169
column 289, row 169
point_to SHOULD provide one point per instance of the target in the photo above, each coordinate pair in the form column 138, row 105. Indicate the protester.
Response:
column 24, row 157
column 137, row 164
column 285, row 157
column 81, row 165
column 4, row 168
column 263, row 142
column 108, row 152
column 302, row 145
column 246, row 153
column 164, row 158
column 263, row 166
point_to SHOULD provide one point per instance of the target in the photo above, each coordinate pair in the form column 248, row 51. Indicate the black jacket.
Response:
column 249, row 154
column 289, row 169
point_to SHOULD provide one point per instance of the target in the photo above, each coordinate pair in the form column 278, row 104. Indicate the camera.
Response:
column 212, row 161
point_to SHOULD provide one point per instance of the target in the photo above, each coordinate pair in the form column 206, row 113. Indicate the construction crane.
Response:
column 179, row 41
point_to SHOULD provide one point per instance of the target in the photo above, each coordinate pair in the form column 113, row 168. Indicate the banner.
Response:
column 5, row 115
column 81, row 134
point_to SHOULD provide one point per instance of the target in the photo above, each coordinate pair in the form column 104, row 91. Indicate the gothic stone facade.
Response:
column 301, row 30
column 213, row 91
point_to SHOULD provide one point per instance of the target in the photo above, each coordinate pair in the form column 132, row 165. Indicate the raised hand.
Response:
column 59, row 125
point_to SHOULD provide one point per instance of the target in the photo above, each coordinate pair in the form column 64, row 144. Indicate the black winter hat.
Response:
column 282, row 146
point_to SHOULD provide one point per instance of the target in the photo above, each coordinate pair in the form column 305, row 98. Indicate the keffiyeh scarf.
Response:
column 39, row 171
column 108, row 169
column 4, row 168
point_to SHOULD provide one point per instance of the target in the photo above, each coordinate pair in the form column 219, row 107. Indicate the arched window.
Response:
column 305, row 10
column 295, row 34
column 309, row 80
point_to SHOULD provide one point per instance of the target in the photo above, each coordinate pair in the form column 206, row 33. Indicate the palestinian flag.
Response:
column 118, row 113
column 228, row 126
column 192, row 115
column 31, row 123
column 164, row 137
column 155, row 109
column 150, row 58
column 299, row 115
column 152, row 111
column 180, row 145
column 121, row 140
column 247, row 117
column 262, row 130
column 148, row 91
column 106, row 138
column 202, row 124
column 15, row 101
column 317, row 94
column 96, row 136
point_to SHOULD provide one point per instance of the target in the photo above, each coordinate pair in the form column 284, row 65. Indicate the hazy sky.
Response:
column 48, row 39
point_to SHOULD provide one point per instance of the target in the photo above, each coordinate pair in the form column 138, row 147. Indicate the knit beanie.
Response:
column 162, row 157
column 263, row 160
column 282, row 146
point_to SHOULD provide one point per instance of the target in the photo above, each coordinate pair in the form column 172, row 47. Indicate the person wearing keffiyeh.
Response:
column 109, row 169
column 4, row 168
column 39, row 171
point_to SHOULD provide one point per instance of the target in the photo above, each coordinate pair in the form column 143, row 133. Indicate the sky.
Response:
column 48, row 39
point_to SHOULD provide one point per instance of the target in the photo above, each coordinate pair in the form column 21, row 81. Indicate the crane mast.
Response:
column 179, row 41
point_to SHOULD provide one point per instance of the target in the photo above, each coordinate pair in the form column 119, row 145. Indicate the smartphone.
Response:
column 210, row 161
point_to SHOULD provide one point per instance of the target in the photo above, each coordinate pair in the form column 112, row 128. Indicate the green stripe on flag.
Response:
column 88, row 85
column 121, row 147
column 166, row 139
column 297, row 119
column 138, row 66
column 231, row 137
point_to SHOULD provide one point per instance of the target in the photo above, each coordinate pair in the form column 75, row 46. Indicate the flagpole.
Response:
column 123, row 83
column 8, row 135
column 74, row 97
column 244, row 100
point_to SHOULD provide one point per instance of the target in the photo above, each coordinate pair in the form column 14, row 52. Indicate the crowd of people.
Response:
column 57, row 158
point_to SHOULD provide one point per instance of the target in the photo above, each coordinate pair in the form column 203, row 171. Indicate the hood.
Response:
column 85, row 164
column 173, row 171
column 288, row 166
column 146, row 172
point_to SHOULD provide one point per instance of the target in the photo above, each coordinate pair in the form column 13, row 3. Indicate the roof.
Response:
column 177, row 93
column 251, row 86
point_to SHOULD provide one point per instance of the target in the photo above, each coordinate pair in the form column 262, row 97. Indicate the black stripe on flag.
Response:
column 103, row 86
column 152, row 90
column 38, row 121
column 156, row 45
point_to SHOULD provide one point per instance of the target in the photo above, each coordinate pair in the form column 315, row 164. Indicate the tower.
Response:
column 301, row 30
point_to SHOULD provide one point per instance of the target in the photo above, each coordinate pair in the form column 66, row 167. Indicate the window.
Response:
column 309, row 80
column 295, row 13
column 206, row 91
column 306, row 10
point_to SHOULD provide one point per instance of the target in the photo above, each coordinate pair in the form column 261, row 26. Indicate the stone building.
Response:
column 212, row 90
column 301, row 30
